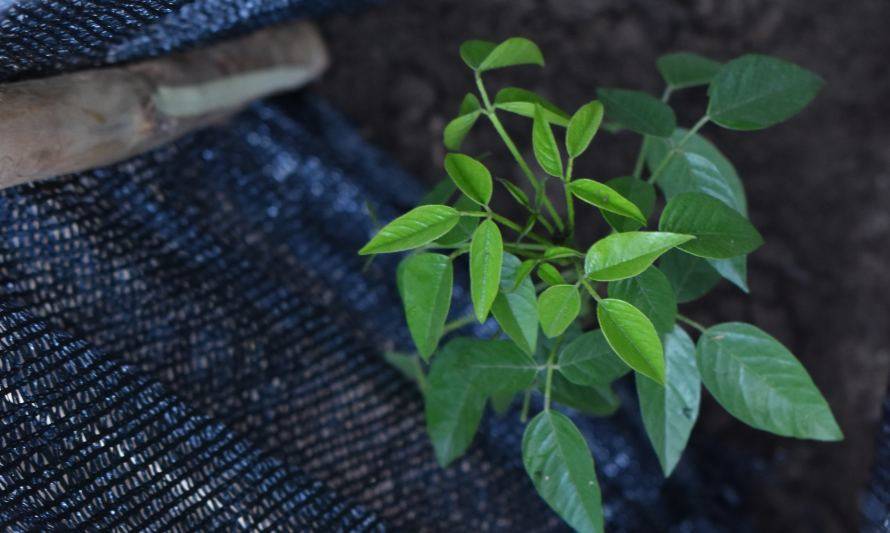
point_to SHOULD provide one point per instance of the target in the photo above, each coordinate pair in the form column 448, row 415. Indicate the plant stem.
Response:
column 693, row 323
column 589, row 288
column 641, row 157
column 526, row 400
column 670, row 155
column 570, row 200
column 548, row 384
column 421, row 378
column 540, row 193
column 458, row 323
column 507, row 222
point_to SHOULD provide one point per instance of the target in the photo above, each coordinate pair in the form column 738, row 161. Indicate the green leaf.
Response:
column 650, row 292
column 624, row 255
column 670, row 410
column 453, row 406
column 761, row 383
column 474, row 52
column 550, row 275
column 561, row 467
column 589, row 361
column 638, row 111
column 463, row 374
column 470, row 176
column 720, row 231
column 582, row 127
column 757, row 91
column 693, row 172
column 415, row 228
column 606, row 198
column 632, row 336
column 457, row 129
column 641, row 193
column 557, row 308
column 517, row 193
column 692, row 277
column 734, row 269
column 463, row 230
column 439, row 194
column 523, row 271
column 561, row 252
column 523, row 102
column 516, row 308
column 486, row 257
column 425, row 282
column 407, row 365
column 685, row 69
column 514, row 51
column 502, row 401
column 596, row 400
column 544, row 143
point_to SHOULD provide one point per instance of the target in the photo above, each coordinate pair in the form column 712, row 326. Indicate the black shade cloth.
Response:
column 190, row 342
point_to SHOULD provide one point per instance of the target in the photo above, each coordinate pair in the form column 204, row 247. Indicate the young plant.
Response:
column 629, row 282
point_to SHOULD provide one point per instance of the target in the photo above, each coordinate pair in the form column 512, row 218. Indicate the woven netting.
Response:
column 188, row 340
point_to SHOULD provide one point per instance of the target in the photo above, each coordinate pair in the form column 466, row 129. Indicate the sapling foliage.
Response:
column 575, row 319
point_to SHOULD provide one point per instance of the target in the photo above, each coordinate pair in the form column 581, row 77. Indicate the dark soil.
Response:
column 818, row 185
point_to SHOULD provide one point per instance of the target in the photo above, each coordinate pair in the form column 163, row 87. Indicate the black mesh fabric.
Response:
column 188, row 340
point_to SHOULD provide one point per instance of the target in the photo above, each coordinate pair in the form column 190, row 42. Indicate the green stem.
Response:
column 670, row 155
column 540, row 193
column 421, row 377
column 590, row 288
column 693, row 323
column 641, row 158
column 507, row 222
column 570, row 200
column 526, row 401
column 548, row 384
column 458, row 323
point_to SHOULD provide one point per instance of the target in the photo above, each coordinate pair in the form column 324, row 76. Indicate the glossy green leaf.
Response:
column 641, row 193
column 761, row 383
column 721, row 232
column 606, row 198
column 466, row 226
column 588, row 360
column 470, row 176
column 638, row 111
column 460, row 126
column 632, row 336
column 689, row 171
column 486, row 257
column 512, row 52
column 582, row 127
column 523, row 102
column 561, row 467
column 691, row 277
column 474, row 52
column 516, row 307
column 685, row 69
column 557, row 308
column 463, row 374
column 544, row 144
column 593, row 400
column 517, row 193
column 624, row 255
column 757, row 91
column 550, row 275
column 669, row 411
column 650, row 292
column 415, row 228
column 523, row 271
column 425, row 282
